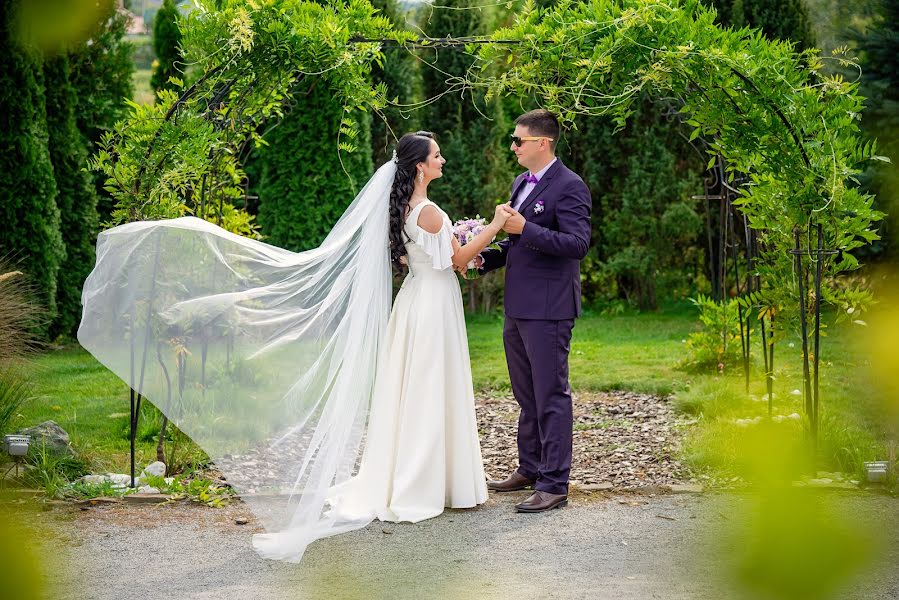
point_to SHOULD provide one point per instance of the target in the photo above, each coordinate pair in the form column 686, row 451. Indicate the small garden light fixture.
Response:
column 17, row 447
column 877, row 470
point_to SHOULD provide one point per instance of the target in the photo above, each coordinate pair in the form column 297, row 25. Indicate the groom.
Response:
column 549, row 233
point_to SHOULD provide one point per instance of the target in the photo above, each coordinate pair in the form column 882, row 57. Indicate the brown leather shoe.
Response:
column 516, row 481
column 541, row 501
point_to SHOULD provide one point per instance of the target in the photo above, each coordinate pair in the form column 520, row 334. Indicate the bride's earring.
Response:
column 421, row 177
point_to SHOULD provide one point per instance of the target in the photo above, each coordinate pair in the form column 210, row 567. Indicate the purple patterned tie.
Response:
column 531, row 179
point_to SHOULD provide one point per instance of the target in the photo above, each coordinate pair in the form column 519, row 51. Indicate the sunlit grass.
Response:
column 143, row 93
column 634, row 351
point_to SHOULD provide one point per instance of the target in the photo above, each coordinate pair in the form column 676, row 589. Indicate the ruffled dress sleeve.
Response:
column 439, row 246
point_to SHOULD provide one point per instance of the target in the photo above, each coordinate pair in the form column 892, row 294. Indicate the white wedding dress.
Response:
column 287, row 368
column 421, row 451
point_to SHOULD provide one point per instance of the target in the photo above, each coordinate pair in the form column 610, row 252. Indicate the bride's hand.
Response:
column 500, row 216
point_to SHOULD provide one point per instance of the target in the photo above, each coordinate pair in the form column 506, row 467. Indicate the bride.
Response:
column 283, row 366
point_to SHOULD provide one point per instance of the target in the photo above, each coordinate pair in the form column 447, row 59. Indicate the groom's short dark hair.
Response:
column 541, row 122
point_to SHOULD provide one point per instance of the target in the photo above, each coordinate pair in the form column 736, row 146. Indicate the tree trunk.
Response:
column 160, row 447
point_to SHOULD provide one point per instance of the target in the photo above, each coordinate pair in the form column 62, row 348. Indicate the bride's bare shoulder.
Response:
column 430, row 218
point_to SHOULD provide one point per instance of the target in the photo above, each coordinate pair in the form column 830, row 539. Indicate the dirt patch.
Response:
column 623, row 438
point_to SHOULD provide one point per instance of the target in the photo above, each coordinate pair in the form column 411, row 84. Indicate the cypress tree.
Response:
column 401, row 75
column 303, row 188
column 166, row 41
column 76, row 198
column 29, row 233
column 101, row 75
column 878, row 49
column 777, row 19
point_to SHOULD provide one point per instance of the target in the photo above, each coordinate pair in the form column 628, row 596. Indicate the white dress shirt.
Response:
column 529, row 187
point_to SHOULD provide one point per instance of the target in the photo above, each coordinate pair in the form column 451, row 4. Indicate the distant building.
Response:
column 136, row 26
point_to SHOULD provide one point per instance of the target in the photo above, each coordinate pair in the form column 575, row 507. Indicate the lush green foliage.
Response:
column 30, row 232
column 772, row 114
column 306, row 181
column 716, row 346
column 183, row 154
column 472, row 133
column 645, row 227
column 878, row 48
column 166, row 41
column 793, row 130
column 76, row 198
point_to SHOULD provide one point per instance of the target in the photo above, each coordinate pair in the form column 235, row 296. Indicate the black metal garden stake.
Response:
column 810, row 371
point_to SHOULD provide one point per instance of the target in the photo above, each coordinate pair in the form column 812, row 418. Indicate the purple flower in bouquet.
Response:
column 465, row 230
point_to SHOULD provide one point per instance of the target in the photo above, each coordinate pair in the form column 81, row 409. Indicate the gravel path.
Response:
column 603, row 546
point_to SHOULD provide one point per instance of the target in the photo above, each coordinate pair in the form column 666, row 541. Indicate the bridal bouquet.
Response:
column 465, row 230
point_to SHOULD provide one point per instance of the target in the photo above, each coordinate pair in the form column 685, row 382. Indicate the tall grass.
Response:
column 20, row 318
column 15, row 391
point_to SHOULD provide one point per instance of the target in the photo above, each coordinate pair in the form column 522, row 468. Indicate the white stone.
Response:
column 146, row 489
column 156, row 469
column 94, row 479
column 119, row 478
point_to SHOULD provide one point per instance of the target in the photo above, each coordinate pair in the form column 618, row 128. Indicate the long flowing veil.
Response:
column 266, row 358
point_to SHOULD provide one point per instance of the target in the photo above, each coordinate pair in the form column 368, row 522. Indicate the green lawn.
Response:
column 639, row 352
column 143, row 93
column 88, row 401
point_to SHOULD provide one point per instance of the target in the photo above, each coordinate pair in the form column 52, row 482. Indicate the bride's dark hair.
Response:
column 413, row 148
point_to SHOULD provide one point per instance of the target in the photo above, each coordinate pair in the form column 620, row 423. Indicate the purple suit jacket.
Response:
column 543, row 278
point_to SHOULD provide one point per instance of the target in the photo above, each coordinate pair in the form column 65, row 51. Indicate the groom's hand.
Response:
column 515, row 222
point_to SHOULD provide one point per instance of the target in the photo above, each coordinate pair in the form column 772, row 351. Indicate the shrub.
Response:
column 717, row 344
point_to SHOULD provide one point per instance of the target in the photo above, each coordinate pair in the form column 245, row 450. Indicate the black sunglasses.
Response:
column 519, row 140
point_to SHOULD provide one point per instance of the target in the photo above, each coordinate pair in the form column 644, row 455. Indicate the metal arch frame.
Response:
column 718, row 187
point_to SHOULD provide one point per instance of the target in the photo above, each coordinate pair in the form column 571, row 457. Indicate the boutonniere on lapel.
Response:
column 538, row 208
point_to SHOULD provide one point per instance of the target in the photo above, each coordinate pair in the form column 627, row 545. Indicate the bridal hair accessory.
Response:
column 538, row 208
column 393, row 158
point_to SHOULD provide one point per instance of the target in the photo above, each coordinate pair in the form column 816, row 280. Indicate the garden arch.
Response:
column 781, row 135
